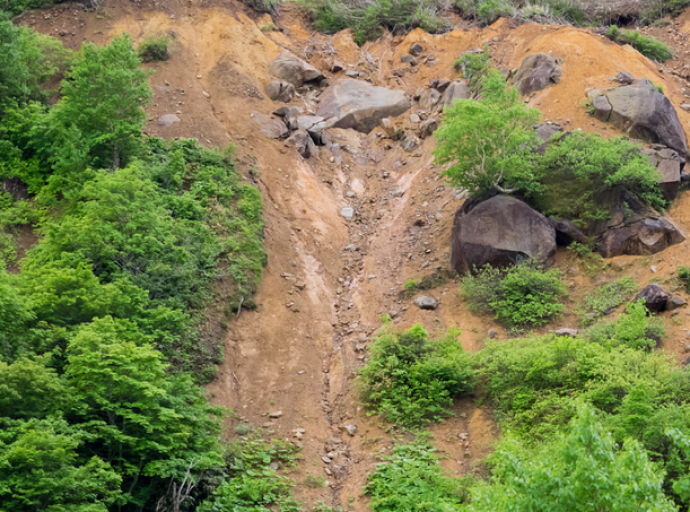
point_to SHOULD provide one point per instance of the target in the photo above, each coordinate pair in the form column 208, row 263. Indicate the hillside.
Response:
column 292, row 363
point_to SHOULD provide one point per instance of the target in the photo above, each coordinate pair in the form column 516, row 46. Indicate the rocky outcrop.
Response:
column 642, row 112
column 428, row 99
column 303, row 142
column 500, row 232
column 427, row 128
column 356, row 104
column 278, row 90
column 294, row 70
column 456, row 90
column 566, row 231
column 536, row 72
column 632, row 227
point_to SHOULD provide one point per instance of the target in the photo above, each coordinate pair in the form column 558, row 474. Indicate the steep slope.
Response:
column 290, row 364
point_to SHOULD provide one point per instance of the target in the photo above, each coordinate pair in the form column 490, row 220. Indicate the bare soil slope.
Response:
column 291, row 364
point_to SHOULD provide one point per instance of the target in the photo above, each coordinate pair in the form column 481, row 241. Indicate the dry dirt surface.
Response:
column 291, row 363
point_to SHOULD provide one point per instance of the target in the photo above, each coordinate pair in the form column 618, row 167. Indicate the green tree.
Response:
column 487, row 143
column 29, row 390
column 145, row 423
column 583, row 471
column 104, row 95
column 40, row 471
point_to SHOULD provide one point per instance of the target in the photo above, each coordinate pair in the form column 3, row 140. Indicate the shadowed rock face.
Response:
column 537, row 72
column 500, row 231
column 456, row 90
column 359, row 105
column 644, row 113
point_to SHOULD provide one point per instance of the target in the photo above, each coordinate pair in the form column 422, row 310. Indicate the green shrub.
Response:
column 156, row 48
column 656, row 10
column 411, row 478
column 584, row 470
column 646, row 45
column 262, row 5
column 368, row 19
column 411, row 379
column 474, row 66
column 632, row 329
column 519, row 296
column 684, row 276
column 575, row 170
column 604, row 299
column 490, row 10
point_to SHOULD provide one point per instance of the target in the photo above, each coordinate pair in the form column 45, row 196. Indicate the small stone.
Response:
column 414, row 118
column 393, row 313
column 675, row 303
column 275, row 466
column 426, row 302
column 416, row 49
column 350, row 429
column 492, row 333
column 275, row 414
column 326, row 460
column 347, row 213
column 300, row 284
column 566, row 332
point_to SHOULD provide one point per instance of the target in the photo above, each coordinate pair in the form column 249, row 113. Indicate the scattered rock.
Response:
column 655, row 297
column 275, row 414
column 426, row 302
column 350, row 429
column 429, row 99
column 566, row 332
column 492, row 334
column 625, row 78
column 273, row 128
column 416, row 49
column 278, row 90
column 414, row 118
column 668, row 163
column 274, row 466
column 347, row 213
column 408, row 59
column 500, row 231
column 357, row 104
column 537, row 72
column 294, row 70
column 303, row 142
column 167, row 120
column 644, row 113
column 392, row 132
column 427, row 128
column 410, row 143
column 566, row 232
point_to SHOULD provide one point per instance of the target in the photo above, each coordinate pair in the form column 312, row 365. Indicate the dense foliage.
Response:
column 99, row 330
column 604, row 299
column 646, row 45
column 411, row 479
column 519, row 296
column 411, row 379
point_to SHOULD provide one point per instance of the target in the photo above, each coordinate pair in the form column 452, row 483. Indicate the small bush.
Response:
column 412, row 479
column 314, row 482
column 474, row 66
column 684, row 276
column 520, row 296
column 604, row 299
column 633, row 329
column 490, row 10
column 646, row 45
column 156, row 48
column 411, row 379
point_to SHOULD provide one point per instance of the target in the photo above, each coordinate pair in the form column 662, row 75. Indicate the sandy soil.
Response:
column 298, row 354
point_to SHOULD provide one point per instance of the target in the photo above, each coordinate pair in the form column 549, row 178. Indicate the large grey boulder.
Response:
column 654, row 296
column 669, row 165
column 457, row 90
column 644, row 113
column 357, row 104
column 500, row 232
column 294, row 70
column 631, row 227
column 536, row 72
column 273, row 128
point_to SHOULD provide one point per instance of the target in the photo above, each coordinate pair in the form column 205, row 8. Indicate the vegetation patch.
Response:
column 519, row 296
column 646, row 45
column 156, row 48
column 411, row 379
column 473, row 66
column 604, row 299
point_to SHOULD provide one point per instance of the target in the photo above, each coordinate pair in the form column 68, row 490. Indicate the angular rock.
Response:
column 644, row 113
column 457, row 90
column 500, row 232
column 303, row 142
column 655, row 297
column 273, row 128
column 625, row 78
column 16, row 188
column 427, row 128
column 306, row 122
column 316, row 132
column 278, row 90
column 416, row 49
column 602, row 108
column 442, row 85
column 675, row 303
column 410, row 143
column 566, row 232
column 392, row 132
column 492, row 334
column 536, row 72
column 566, row 332
column 294, row 70
column 669, row 164
column 408, row 59
column 359, row 105
column 167, row 120
column 546, row 131
column 429, row 99
column 426, row 302
column 347, row 213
